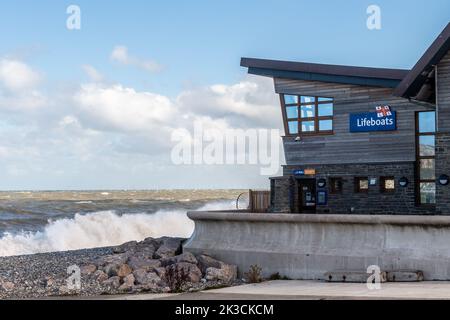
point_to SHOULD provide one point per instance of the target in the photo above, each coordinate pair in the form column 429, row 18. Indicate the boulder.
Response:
column 145, row 250
column 125, row 247
column 205, row 262
column 143, row 263
column 161, row 272
column 143, row 277
column 112, row 259
column 113, row 282
column 89, row 269
column 100, row 276
column 227, row 273
column 190, row 271
column 112, row 269
column 124, row 270
column 169, row 247
column 184, row 257
column 128, row 283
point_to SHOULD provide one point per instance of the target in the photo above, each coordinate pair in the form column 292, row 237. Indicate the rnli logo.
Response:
column 383, row 111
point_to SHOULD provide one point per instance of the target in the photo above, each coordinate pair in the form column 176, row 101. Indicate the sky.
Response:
column 96, row 107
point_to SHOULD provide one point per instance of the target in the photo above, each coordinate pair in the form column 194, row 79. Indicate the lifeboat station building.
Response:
column 363, row 140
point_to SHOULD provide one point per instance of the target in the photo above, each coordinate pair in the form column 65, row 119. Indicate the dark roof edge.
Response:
column 325, row 69
column 413, row 81
column 342, row 79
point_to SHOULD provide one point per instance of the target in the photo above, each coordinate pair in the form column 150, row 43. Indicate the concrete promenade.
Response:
column 310, row 290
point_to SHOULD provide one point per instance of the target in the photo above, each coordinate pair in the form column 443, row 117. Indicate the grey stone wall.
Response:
column 443, row 135
column 280, row 201
column 442, row 167
column 401, row 201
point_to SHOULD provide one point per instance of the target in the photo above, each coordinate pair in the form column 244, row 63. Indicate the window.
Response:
column 361, row 184
column 307, row 115
column 387, row 184
column 335, row 185
column 425, row 155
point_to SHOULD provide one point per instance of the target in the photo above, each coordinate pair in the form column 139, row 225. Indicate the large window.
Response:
column 307, row 115
column 425, row 141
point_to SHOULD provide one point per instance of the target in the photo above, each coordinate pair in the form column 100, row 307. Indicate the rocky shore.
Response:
column 152, row 265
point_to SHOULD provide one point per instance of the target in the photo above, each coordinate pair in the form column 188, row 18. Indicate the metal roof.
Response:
column 381, row 77
column 416, row 78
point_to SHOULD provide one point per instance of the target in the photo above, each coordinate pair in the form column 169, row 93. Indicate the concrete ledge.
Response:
column 437, row 221
column 307, row 246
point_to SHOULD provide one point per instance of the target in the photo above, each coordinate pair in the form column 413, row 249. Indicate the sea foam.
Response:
column 100, row 229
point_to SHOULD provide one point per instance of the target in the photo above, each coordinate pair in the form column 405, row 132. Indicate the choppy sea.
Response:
column 46, row 221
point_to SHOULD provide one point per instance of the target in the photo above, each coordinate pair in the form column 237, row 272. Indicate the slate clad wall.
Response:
column 346, row 147
column 443, row 136
column 280, row 202
column 402, row 201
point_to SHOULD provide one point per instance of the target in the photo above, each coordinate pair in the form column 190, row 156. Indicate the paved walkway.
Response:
column 301, row 290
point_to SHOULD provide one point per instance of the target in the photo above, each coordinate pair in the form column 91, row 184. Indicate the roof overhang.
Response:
column 413, row 84
column 378, row 77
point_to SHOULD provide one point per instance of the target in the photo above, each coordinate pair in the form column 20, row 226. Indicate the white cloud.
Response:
column 125, row 109
column 120, row 55
column 16, row 75
column 249, row 103
column 19, row 86
column 92, row 73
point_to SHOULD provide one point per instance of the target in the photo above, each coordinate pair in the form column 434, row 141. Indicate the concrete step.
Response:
column 357, row 276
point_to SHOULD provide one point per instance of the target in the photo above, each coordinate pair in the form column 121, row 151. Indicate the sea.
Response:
column 47, row 221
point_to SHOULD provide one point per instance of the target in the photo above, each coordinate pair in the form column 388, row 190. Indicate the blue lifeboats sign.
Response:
column 371, row 121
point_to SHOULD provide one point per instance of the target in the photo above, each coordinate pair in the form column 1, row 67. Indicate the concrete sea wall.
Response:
column 303, row 246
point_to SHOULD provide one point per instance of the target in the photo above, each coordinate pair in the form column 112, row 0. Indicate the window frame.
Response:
column 316, row 118
column 419, row 157
column 383, row 184
column 358, row 186
column 333, row 189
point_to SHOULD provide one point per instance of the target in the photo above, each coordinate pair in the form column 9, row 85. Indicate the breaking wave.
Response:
column 100, row 229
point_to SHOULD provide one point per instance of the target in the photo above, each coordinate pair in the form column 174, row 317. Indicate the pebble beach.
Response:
column 149, row 266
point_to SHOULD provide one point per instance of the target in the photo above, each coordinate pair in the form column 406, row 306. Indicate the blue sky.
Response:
column 194, row 45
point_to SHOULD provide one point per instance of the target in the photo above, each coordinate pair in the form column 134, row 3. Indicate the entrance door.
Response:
column 307, row 195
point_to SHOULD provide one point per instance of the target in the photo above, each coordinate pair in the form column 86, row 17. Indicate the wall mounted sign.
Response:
column 305, row 172
column 371, row 121
column 444, row 179
column 403, row 182
column 321, row 183
column 322, row 198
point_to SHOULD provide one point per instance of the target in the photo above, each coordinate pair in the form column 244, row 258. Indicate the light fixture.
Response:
column 321, row 183
column 444, row 179
column 403, row 181
column 298, row 139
